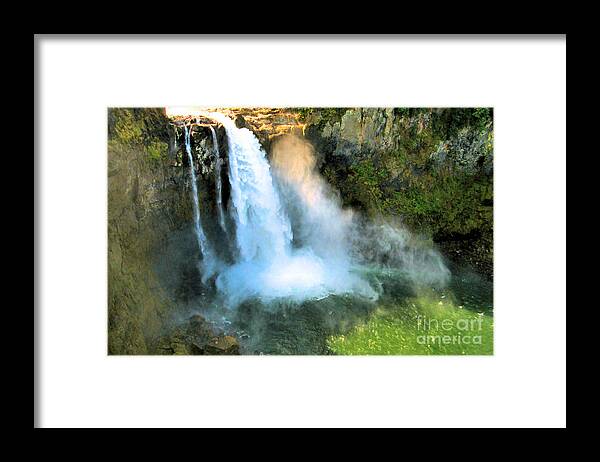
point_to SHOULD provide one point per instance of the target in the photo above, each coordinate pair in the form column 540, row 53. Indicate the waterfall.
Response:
column 208, row 259
column 267, row 265
column 263, row 231
column 218, row 163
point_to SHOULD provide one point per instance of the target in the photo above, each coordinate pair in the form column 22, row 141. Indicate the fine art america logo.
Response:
column 464, row 331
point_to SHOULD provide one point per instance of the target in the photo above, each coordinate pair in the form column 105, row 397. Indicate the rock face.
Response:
column 152, row 252
column 266, row 123
column 142, row 204
column 197, row 337
column 240, row 122
column 222, row 345
column 149, row 220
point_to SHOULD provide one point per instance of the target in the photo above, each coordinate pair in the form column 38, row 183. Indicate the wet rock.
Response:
column 222, row 345
column 179, row 347
column 173, row 345
column 144, row 208
column 240, row 122
column 196, row 349
column 197, row 320
column 163, row 347
column 469, row 152
column 200, row 329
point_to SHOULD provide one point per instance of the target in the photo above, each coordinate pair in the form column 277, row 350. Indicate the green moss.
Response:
column 403, row 111
column 447, row 122
column 434, row 204
column 483, row 117
column 444, row 205
column 157, row 150
column 124, row 127
column 324, row 115
column 364, row 182
column 423, row 325
column 141, row 128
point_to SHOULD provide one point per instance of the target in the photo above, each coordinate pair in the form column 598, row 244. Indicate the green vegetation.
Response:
column 447, row 122
column 157, row 150
column 141, row 128
column 328, row 114
column 424, row 325
column 365, row 181
column 436, row 204
column 435, row 172
column 122, row 125
column 450, row 205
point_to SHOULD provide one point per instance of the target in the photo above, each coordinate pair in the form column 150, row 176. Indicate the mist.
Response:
column 345, row 240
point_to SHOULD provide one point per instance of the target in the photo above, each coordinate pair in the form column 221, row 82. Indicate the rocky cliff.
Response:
column 432, row 168
column 151, row 251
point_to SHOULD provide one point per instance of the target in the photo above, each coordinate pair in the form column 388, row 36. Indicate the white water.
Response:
column 218, row 164
column 263, row 231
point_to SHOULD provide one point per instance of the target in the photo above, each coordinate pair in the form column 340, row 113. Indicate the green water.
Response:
column 405, row 320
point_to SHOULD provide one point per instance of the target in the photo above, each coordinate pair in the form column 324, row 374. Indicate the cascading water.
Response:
column 218, row 164
column 263, row 231
column 208, row 260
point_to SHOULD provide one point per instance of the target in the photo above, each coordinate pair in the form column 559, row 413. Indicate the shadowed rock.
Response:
column 222, row 345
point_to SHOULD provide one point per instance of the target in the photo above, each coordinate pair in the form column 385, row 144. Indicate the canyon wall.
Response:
column 151, row 251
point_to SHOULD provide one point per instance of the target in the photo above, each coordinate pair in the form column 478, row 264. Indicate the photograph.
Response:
column 300, row 231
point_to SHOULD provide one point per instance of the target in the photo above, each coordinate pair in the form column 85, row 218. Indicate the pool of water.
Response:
column 405, row 319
